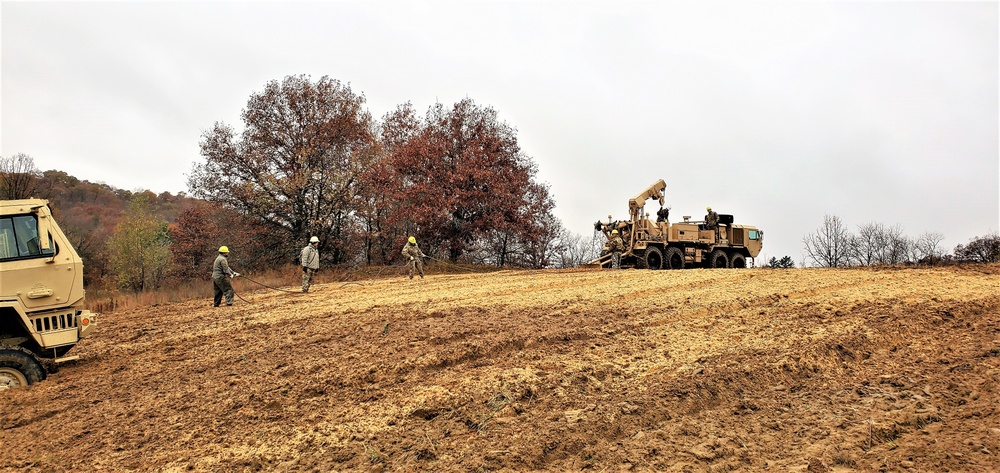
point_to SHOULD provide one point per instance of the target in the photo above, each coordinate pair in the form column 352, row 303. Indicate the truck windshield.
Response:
column 19, row 238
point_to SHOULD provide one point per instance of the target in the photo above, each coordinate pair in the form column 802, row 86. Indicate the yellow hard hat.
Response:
column 614, row 232
column 708, row 208
column 314, row 240
column 412, row 240
column 223, row 249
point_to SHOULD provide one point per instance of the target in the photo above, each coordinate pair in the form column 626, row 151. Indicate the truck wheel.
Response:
column 674, row 259
column 718, row 259
column 738, row 261
column 19, row 368
column 654, row 258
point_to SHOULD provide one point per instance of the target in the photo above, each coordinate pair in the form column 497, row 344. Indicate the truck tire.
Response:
column 654, row 258
column 18, row 368
column 674, row 258
column 738, row 261
column 718, row 259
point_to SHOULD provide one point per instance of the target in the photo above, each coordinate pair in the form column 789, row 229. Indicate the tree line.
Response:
column 309, row 160
column 139, row 241
column 834, row 245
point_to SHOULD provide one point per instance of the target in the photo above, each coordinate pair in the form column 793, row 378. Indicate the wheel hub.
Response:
column 11, row 378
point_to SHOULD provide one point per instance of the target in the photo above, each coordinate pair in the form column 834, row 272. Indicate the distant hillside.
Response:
column 88, row 212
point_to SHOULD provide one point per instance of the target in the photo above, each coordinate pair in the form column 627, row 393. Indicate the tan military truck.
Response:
column 41, row 294
column 687, row 244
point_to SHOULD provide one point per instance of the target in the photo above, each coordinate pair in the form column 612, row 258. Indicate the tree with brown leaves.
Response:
column 295, row 166
column 461, row 177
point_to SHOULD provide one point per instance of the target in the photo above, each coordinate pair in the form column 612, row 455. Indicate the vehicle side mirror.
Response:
column 43, row 229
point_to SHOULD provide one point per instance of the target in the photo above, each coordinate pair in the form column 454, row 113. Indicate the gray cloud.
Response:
column 777, row 112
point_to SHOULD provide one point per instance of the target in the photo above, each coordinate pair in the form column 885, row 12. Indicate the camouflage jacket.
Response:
column 617, row 244
column 221, row 268
column 712, row 219
column 411, row 250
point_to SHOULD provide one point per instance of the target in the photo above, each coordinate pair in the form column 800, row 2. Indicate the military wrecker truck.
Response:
column 687, row 244
column 41, row 294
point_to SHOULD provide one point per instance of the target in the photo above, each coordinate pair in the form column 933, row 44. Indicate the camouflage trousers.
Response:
column 616, row 260
column 307, row 275
column 222, row 287
column 416, row 265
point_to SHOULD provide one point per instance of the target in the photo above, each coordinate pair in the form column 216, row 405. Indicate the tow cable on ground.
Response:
column 260, row 283
column 370, row 282
column 400, row 266
column 449, row 263
column 265, row 285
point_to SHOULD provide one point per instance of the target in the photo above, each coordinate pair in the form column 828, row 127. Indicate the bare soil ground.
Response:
column 698, row 370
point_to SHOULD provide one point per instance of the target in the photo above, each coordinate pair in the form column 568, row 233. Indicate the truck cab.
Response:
column 42, row 313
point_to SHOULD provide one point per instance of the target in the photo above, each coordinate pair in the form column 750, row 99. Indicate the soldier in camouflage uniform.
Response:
column 711, row 219
column 617, row 246
column 413, row 252
column 221, row 273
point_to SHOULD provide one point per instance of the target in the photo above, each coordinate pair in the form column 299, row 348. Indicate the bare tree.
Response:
column 897, row 246
column 868, row 244
column 926, row 249
column 576, row 250
column 830, row 245
column 545, row 244
column 877, row 243
column 18, row 177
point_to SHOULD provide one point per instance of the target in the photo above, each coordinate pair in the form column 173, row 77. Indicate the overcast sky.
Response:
column 775, row 112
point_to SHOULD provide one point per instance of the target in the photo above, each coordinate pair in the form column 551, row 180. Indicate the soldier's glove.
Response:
column 303, row 269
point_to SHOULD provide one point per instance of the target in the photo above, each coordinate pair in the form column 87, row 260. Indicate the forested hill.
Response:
column 89, row 213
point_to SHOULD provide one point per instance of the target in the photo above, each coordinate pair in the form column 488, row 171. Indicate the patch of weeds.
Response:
column 373, row 454
column 424, row 454
column 922, row 421
column 844, row 460
column 498, row 401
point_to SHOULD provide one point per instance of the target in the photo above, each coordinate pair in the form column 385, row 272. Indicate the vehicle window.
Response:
column 754, row 235
column 19, row 238
column 8, row 248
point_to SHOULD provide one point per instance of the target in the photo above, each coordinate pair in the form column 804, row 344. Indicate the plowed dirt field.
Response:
column 696, row 370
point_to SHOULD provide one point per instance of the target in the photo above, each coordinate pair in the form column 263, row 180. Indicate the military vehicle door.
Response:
column 30, row 269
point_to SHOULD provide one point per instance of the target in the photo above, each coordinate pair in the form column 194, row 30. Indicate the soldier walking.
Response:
column 221, row 274
column 413, row 252
column 617, row 246
column 310, row 262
